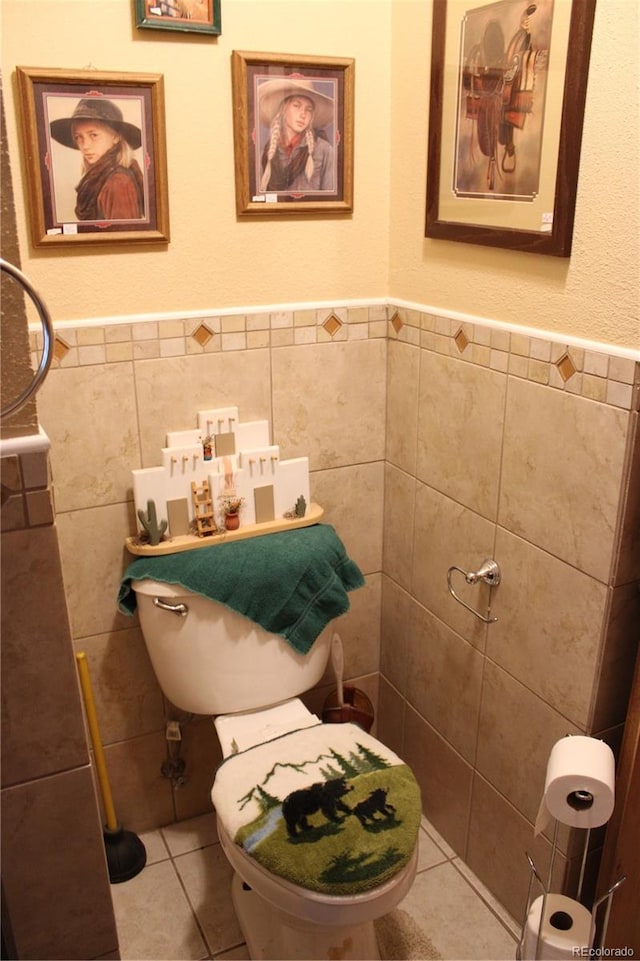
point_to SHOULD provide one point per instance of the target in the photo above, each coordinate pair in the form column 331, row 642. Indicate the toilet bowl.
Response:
column 319, row 822
column 283, row 917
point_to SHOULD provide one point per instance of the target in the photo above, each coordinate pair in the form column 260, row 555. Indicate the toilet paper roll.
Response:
column 567, row 929
column 580, row 784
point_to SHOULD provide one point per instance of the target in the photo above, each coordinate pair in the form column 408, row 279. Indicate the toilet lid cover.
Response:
column 329, row 808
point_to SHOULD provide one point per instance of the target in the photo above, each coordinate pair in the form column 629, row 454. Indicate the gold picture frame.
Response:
column 70, row 202
column 317, row 176
column 507, row 95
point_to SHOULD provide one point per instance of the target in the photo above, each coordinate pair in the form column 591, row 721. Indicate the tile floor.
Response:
column 179, row 907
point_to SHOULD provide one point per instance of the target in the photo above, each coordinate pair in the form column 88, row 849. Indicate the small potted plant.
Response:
column 231, row 505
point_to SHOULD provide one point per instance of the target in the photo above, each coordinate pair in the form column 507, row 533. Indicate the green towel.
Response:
column 292, row 583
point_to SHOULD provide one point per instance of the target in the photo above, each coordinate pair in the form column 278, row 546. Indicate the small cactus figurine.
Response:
column 301, row 506
column 150, row 523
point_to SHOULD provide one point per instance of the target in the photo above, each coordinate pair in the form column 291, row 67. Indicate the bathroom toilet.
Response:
column 319, row 822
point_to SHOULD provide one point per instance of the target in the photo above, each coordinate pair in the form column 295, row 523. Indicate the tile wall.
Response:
column 431, row 442
column 114, row 391
column 510, row 447
column 56, row 899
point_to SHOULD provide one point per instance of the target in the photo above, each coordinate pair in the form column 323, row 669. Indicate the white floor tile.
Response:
column 455, row 919
column 179, row 908
column 206, row 876
column 154, row 918
column 155, row 846
column 190, row 835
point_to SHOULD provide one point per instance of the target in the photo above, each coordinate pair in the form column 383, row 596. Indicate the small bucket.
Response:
column 356, row 708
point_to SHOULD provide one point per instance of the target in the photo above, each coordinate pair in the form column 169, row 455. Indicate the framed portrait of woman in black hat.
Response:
column 95, row 154
column 293, row 134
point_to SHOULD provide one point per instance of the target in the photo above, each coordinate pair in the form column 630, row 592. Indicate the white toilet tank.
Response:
column 212, row 660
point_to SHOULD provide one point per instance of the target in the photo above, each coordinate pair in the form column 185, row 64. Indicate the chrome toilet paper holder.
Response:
column 489, row 573
column 534, row 876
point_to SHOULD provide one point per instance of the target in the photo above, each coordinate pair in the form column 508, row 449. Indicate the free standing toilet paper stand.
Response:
column 561, row 920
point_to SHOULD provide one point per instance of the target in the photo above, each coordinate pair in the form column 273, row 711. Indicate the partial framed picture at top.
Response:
column 95, row 156
column 507, row 95
column 293, row 133
column 185, row 16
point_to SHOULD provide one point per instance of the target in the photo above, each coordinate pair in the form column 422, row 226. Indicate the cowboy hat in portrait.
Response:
column 295, row 136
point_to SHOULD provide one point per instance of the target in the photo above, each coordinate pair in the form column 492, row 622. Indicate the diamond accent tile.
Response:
column 461, row 339
column 332, row 325
column 396, row 322
column 202, row 335
column 566, row 367
column 60, row 348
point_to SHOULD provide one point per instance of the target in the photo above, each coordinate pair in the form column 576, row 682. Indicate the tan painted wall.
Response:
column 594, row 294
column 214, row 260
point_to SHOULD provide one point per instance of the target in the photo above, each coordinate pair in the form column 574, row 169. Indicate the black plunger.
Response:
column 126, row 854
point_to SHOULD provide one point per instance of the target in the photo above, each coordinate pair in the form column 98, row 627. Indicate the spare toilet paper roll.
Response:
column 580, row 784
column 567, row 929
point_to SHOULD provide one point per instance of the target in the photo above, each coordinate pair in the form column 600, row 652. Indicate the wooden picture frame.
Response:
column 73, row 199
column 508, row 88
column 265, row 88
column 183, row 16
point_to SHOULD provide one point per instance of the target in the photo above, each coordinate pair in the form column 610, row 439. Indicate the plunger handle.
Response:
column 92, row 719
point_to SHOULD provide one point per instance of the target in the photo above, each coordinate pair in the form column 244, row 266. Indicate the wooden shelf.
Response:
column 189, row 542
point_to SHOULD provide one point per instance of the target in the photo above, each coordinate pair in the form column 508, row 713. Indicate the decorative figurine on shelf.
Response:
column 231, row 505
column 150, row 524
column 207, row 447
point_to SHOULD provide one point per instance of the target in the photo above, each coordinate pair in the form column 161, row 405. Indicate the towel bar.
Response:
column 489, row 573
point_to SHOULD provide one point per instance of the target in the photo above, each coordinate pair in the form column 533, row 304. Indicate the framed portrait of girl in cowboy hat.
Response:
column 95, row 156
column 293, row 134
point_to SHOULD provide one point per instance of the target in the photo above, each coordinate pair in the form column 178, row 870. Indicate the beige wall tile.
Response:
column 329, row 402
column 52, row 823
column 126, row 693
column 352, row 498
column 444, row 778
column 397, row 607
column 359, row 629
column 501, row 742
column 448, row 534
column 549, row 623
column 498, row 840
column 444, row 678
column 460, row 430
column 618, row 658
column 562, row 472
column 142, row 796
column 94, row 559
column 202, row 753
column 627, row 565
column 390, row 720
column 403, row 368
column 399, row 512
column 89, row 414
column 171, row 391
column 39, row 682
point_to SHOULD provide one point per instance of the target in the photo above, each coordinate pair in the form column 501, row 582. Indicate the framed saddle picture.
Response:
column 508, row 88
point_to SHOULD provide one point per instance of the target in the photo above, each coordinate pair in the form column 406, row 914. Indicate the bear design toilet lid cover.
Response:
column 329, row 808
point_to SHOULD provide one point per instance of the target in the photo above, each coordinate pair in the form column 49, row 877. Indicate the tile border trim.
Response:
column 604, row 373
